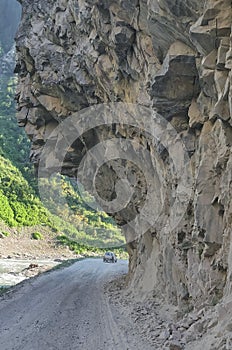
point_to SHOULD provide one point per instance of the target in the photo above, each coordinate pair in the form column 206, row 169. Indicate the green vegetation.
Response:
column 19, row 205
column 14, row 144
column 6, row 234
column 94, row 228
column 65, row 210
column 88, row 251
column 37, row 235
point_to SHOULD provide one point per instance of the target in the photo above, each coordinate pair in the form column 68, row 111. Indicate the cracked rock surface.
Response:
column 175, row 58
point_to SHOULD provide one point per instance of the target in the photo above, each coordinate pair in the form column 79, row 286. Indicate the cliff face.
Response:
column 174, row 59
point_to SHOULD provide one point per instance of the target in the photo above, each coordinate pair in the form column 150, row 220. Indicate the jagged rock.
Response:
column 176, row 83
column 174, row 58
column 175, row 345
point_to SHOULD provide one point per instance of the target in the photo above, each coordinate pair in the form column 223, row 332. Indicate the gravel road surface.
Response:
column 67, row 310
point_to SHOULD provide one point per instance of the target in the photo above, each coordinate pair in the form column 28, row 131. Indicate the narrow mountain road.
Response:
column 66, row 310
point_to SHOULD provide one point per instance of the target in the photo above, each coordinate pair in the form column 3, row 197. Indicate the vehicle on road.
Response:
column 110, row 257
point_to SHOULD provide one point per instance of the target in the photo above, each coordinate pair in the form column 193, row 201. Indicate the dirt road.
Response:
column 67, row 310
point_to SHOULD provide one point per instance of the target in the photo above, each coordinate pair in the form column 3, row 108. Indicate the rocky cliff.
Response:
column 171, row 58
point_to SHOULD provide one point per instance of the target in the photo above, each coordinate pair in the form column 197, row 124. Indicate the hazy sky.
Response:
column 10, row 11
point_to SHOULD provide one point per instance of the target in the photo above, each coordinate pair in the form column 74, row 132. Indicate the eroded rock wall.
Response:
column 175, row 58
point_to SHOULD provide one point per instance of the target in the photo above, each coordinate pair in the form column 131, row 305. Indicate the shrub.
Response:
column 6, row 234
column 37, row 235
column 6, row 213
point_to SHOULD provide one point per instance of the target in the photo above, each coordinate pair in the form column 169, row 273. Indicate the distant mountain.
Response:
column 10, row 12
